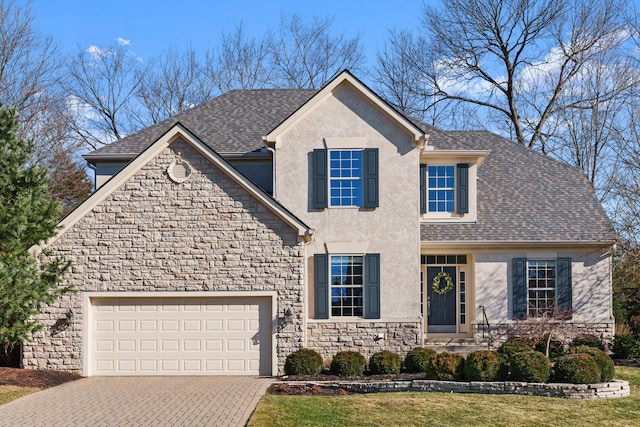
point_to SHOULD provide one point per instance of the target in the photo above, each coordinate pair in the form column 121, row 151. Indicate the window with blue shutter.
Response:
column 319, row 179
column 370, row 178
column 462, row 188
column 321, row 285
column 519, row 288
column 423, row 188
column 347, row 286
column 541, row 287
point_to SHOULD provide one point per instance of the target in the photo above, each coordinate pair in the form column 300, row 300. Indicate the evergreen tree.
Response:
column 28, row 217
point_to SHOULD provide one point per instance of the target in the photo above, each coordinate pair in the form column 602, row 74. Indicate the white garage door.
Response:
column 181, row 336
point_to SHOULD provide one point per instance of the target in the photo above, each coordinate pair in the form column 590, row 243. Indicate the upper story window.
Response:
column 444, row 189
column 441, row 190
column 345, row 178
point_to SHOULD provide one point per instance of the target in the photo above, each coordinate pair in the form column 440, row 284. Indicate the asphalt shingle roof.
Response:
column 231, row 123
column 522, row 195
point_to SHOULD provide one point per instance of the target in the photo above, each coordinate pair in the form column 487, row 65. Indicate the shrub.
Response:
column 515, row 345
column 588, row 340
column 556, row 348
column 418, row 359
column 530, row 366
column 445, row 366
column 605, row 363
column 385, row 362
column 577, row 368
column 484, row 365
column 625, row 347
column 348, row 363
column 303, row 362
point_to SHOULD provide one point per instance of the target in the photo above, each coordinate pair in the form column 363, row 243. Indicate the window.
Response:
column 345, row 177
column 541, row 287
column 541, row 284
column 441, row 191
column 346, row 285
column 444, row 189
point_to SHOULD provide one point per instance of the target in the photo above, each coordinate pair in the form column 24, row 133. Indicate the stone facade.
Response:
column 154, row 235
column 328, row 338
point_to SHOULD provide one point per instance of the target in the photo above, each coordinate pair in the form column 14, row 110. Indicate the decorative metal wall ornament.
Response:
column 179, row 170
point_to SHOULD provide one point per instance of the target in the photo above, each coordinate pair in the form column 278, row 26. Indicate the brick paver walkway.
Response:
column 139, row 401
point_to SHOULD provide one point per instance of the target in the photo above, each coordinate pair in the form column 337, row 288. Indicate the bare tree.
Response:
column 173, row 83
column 516, row 59
column 308, row 56
column 240, row 62
column 102, row 84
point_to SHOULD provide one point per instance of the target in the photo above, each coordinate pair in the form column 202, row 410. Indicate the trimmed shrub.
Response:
column 385, row 362
column 625, row 347
column 607, row 368
column 303, row 362
column 348, row 364
column 577, row 368
column 530, row 366
column 484, row 365
column 515, row 345
column 445, row 366
column 418, row 359
column 588, row 340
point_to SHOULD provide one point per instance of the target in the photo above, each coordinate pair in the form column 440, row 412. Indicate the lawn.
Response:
column 11, row 392
column 420, row 409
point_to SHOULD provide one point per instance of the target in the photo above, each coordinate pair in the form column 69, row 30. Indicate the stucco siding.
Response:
column 392, row 229
column 591, row 292
column 154, row 235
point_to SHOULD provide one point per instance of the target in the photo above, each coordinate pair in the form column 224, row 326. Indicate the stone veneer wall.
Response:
column 500, row 332
column 153, row 235
column 328, row 338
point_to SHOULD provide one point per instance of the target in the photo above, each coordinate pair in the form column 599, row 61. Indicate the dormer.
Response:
column 449, row 184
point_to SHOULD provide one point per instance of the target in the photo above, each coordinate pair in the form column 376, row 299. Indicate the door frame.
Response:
column 463, row 304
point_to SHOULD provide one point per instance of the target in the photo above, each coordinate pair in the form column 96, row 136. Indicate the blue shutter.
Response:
column 519, row 288
column 372, row 286
column 321, row 285
column 423, row 188
column 319, row 179
column 370, row 178
column 563, row 284
column 462, row 188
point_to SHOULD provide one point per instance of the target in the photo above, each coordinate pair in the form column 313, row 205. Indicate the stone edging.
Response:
column 613, row 389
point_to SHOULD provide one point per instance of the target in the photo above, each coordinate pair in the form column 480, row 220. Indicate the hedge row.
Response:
column 515, row 360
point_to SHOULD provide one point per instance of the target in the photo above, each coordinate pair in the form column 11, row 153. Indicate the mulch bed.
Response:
column 632, row 363
column 35, row 378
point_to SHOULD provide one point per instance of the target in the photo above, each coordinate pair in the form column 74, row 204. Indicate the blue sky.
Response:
column 152, row 26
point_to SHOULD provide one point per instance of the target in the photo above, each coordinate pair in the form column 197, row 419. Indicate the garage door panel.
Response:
column 181, row 336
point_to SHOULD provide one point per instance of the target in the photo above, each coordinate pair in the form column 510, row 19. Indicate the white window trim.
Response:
column 331, row 316
column 472, row 215
column 329, row 204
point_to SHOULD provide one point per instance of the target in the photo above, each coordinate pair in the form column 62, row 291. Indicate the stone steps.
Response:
column 462, row 346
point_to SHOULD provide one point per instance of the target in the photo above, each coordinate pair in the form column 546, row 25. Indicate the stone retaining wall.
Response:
column 609, row 390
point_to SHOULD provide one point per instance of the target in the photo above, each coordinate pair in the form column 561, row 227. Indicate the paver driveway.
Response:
column 139, row 401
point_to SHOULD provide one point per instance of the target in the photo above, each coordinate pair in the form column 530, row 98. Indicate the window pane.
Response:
column 346, row 285
column 346, row 174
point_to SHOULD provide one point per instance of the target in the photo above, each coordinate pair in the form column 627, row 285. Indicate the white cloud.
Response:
column 123, row 42
column 95, row 51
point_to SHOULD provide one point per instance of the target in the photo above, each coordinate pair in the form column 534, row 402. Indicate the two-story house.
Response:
column 223, row 239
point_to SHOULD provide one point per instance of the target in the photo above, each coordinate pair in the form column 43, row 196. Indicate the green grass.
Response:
column 424, row 409
column 9, row 392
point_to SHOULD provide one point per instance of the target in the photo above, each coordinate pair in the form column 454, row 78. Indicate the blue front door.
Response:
column 441, row 309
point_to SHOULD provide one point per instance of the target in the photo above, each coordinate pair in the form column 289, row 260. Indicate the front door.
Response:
column 441, row 308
